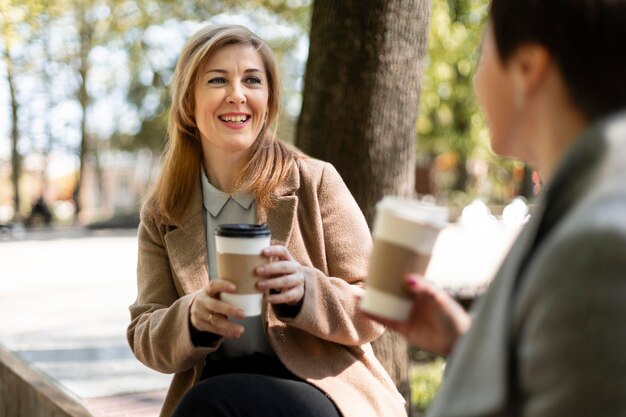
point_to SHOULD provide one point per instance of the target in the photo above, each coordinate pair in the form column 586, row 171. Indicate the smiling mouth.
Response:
column 239, row 119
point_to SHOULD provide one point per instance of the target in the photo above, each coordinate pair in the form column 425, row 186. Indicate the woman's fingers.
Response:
column 210, row 314
column 220, row 324
column 213, row 304
column 222, row 307
column 285, row 289
column 276, row 278
column 286, row 295
column 217, row 286
column 284, row 278
column 277, row 251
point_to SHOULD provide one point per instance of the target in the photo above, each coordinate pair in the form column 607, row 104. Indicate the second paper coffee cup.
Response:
column 239, row 249
column 404, row 234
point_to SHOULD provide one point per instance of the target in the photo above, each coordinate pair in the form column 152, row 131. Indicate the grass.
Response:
column 425, row 380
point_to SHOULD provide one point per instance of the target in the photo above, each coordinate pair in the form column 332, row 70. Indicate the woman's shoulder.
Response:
column 150, row 211
column 320, row 177
column 314, row 169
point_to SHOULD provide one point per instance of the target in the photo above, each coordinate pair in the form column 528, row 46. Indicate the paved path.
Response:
column 64, row 297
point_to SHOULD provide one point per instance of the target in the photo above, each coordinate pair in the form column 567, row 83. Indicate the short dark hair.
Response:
column 587, row 39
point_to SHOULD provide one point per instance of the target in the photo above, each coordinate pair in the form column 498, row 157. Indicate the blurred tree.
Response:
column 46, row 14
column 18, row 26
column 65, row 46
column 97, row 24
column 360, row 107
column 8, row 34
column 150, row 69
column 450, row 122
column 453, row 135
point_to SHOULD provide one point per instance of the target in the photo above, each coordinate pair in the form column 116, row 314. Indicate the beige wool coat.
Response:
column 326, row 343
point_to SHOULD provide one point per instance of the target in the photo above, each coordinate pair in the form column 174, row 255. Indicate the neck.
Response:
column 223, row 168
column 557, row 136
column 552, row 125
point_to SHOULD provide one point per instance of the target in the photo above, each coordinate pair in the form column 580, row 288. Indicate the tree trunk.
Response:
column 16, row 158
column 85, row 33
column 359, row 109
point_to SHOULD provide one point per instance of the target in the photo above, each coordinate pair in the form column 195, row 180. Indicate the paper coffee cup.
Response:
column 239, row 249
column 404, row 234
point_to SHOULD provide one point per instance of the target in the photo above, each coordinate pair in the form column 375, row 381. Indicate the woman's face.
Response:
column 493, row 84
column 231, row 97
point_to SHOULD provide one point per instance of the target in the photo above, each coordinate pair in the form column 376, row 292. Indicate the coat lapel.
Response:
column 280, row 217
column 187, row 244
column 187, row 247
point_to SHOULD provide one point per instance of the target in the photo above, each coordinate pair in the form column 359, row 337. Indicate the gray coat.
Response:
column 549, row 337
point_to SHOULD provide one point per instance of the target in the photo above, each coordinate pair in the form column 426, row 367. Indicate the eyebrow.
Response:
column 223, row 71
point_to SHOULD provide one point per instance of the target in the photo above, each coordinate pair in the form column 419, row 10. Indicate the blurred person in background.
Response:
column 308, row 353
column 548, row 337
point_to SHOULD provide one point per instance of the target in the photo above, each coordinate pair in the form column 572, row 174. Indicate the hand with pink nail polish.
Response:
column 436, row 321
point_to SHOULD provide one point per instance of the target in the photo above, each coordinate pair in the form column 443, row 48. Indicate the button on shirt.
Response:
column 221, row 208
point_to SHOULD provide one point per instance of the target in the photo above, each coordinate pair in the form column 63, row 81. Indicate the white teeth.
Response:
column 234, row 119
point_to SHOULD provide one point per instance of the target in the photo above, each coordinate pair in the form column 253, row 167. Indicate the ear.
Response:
column 529, row 66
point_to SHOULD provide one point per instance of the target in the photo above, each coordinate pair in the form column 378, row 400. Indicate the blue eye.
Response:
column 253, row 80
column 217, row 80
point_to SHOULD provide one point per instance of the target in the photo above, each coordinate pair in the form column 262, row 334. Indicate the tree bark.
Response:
column 360, row 105
column 16, row 158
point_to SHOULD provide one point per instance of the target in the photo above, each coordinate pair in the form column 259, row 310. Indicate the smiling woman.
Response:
column 231, row 97
column 308, row 352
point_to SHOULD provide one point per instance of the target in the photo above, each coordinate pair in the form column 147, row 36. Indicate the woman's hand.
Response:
column 436, row 321
column 284, row 278
column 210, row 314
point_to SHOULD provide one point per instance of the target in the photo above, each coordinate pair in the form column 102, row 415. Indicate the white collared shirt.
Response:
column 222, row 208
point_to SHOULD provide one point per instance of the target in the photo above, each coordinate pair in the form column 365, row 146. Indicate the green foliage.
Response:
column 453, row 135
column 425, row 378
column 138, row 87
column 149, row 83
column 449, row 117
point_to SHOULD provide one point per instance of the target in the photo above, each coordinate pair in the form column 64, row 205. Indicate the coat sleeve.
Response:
column 159, row 332
column 330, row 308
column 572, row 332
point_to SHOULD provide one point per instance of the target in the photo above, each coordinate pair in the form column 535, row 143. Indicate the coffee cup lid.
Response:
column 415, row 210
column 242, row 230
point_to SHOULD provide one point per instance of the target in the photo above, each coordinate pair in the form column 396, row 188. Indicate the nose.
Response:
column 236, row 94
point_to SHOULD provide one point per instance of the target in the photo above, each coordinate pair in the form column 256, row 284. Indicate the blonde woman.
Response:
column 308, row 353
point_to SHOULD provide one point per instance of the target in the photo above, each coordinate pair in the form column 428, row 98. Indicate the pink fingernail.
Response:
column 411, row 280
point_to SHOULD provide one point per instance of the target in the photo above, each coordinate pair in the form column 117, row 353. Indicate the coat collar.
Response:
column 187, row 244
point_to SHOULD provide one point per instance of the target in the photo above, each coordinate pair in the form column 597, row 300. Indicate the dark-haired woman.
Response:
column 549, row 337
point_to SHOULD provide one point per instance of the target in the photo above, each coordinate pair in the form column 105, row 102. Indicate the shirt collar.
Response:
column 214, row 200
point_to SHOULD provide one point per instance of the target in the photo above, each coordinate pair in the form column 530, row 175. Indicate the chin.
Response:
column 239, row 147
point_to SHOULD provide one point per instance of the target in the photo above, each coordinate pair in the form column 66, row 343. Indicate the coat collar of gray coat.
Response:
column 187, row 243
column 478, row 377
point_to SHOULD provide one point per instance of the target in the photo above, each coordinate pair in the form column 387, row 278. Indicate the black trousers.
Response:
column 253, row 386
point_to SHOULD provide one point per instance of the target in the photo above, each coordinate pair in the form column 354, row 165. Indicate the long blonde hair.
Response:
column 269, row 160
